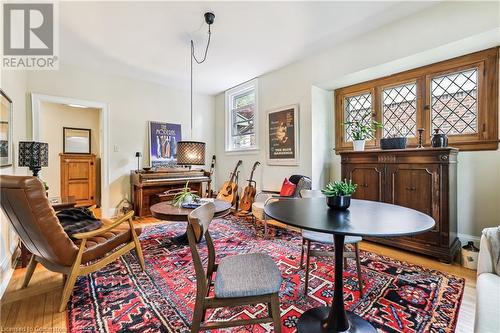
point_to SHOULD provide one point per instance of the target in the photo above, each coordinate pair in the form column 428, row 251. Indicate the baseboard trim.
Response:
column 464, row 238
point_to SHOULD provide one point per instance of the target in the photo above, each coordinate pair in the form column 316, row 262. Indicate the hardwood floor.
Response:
column 36, row 308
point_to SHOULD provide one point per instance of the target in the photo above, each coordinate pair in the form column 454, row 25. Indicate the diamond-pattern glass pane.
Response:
column 399, row 109
column 357, row 108
column 454, row 102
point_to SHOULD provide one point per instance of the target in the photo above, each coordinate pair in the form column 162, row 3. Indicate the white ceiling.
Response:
column 150, row 40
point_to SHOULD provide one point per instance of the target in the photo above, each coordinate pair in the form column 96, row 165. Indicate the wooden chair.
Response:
column 25, row 203
column 240, row 280
column 320, row 237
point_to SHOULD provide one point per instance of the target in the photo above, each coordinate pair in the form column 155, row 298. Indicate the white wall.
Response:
column 53, row 117
column 131, row 104
column 434, row 34
column 14, row 85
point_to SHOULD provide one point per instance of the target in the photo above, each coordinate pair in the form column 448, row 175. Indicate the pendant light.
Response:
column 193, row 152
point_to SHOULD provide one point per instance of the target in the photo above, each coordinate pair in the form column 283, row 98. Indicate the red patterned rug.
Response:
column 399, row 297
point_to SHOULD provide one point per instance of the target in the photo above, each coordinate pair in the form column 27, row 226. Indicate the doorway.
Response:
column 76, row 131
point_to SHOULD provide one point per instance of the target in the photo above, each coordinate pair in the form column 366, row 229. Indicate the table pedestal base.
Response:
column 312, row 321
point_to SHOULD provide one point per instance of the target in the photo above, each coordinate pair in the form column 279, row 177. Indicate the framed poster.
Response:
column 76, row 140
column 5, row 130
column 283, row 135
column 163, row 138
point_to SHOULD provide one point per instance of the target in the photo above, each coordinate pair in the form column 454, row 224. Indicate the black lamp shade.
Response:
column 138, row 154
column 190, row 153
column 33, row 154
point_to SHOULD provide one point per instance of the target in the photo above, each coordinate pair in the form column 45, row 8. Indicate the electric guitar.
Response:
column 229, row 191
column 209, row 193
column 249, row 192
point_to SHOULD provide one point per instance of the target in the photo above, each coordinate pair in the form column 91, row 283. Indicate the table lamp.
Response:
column 33, row 155
column 190, row 153
column 138, row 154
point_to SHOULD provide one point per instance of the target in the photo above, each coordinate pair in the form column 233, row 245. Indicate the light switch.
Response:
column 116, row 148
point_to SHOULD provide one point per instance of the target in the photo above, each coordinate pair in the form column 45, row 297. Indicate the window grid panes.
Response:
column 454, row 102
column 242, row 110
column 399, row 110
column 357, row 108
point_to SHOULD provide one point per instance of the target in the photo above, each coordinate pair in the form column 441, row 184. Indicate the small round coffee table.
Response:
column 167, row 212
column 364, row 218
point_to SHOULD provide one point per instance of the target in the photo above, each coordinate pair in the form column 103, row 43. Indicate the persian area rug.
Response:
column 398, row 297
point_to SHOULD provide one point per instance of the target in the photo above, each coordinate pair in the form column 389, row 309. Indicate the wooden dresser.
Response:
column 422, row 179
column 148, row 188
column 78, row 178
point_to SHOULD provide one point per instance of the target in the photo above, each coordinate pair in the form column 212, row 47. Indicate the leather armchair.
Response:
column 25, row 203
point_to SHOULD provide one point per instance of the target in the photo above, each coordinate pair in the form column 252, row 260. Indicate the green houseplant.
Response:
column 338, row 194
column 185, row 196
column 361, row 130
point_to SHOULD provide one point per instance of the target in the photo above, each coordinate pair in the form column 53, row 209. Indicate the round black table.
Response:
column 168, row 212
column 363, row 218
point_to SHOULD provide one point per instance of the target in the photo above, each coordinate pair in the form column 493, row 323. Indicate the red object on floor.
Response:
column 287, row 188
column 398, row 297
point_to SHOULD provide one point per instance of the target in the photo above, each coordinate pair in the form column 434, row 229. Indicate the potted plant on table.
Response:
column 362, row 130
column 185, row 196
column 338, row 194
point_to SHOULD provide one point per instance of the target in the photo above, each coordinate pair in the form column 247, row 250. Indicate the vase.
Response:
column 358, row 145
column 341, row 202
column 439, row 139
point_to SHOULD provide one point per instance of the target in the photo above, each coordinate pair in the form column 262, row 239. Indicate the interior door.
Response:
column 369, row 178
column 416, row 186
column 78, row 180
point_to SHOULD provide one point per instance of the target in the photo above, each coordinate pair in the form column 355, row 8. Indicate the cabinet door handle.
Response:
column 364, row 185
column 411, row 188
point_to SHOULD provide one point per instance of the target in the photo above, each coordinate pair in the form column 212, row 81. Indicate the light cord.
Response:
column 193, row 57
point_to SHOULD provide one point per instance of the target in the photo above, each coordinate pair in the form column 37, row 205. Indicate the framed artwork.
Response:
column 163, row 138
column 76, row 140
column 283, row 135
column 5, row 130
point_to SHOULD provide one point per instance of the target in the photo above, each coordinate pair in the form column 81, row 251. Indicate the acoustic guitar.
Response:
column 249, row 191
column 229, row 191
column 209, row 193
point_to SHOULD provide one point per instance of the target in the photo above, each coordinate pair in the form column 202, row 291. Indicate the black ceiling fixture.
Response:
column 193, row 152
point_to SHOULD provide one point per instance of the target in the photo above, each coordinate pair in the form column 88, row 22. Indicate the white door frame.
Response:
column 36, row 103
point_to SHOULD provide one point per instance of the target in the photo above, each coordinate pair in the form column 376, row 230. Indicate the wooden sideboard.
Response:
column 422, row 179
column 78, row 178
column 149, row 188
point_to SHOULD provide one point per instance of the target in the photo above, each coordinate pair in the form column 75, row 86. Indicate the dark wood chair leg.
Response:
column 358, row 268
column 302, row 253
column 276, row 313
column 197, row 316
column 308, row 257
column 345, row 263
column 29, row 271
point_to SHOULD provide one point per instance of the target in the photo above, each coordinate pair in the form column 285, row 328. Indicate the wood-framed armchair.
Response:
column 242, row 279
column 25, row 203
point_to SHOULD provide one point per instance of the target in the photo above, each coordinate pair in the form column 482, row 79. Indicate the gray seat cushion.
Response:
column 327, row 238
column 250, row 274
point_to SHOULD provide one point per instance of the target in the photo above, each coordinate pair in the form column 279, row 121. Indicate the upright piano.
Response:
column 148, row 188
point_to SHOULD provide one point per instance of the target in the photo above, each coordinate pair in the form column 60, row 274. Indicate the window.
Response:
column 457, row 96
column 241, row 117
column 357, row 108
column 454, row 102
column 399, row 110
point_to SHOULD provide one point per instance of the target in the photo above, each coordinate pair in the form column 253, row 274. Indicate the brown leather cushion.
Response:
column 98, row 247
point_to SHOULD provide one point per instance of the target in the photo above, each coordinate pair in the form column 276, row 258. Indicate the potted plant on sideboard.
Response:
column 362, row 130
column 338, row 194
